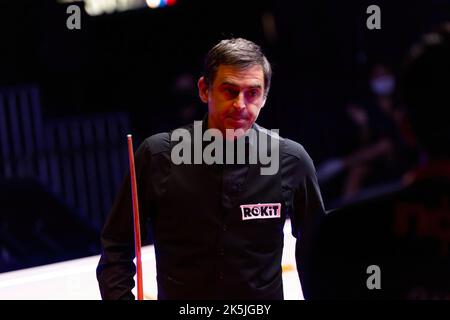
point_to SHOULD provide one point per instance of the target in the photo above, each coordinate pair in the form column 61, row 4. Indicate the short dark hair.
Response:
column 426, row 90
column 237, row 52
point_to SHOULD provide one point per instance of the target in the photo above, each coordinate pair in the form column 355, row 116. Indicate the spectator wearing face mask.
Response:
column 396, row 245
column 384, row 149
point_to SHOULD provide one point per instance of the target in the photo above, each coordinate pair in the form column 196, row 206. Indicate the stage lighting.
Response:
column 153, row 4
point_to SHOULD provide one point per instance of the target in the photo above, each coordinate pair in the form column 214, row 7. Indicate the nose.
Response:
column 239, row 102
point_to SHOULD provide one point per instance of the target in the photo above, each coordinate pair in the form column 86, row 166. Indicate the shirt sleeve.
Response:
column 115, row 270
column 308, row 210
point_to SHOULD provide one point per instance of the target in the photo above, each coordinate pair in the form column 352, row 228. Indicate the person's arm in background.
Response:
column 359, row 165
column 116, row 269
column 360, row 157
column 308, row 210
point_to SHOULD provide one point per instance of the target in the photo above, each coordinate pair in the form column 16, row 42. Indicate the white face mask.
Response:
column 383, row 85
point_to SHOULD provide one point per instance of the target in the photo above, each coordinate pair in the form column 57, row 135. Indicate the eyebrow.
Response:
column 257, row 86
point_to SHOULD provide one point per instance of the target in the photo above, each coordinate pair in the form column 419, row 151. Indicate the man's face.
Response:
column 235, row 98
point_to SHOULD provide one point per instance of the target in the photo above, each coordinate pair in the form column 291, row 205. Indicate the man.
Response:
column 217, row 228
column 396, row 245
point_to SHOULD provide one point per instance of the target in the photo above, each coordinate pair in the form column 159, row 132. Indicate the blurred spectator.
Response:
column 383, row 150
column 184, row 93
column 396, row 245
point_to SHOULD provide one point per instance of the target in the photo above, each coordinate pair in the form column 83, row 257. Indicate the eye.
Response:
column 253, row 93
column 231, row 92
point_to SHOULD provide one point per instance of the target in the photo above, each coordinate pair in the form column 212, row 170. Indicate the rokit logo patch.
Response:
column 261, row 211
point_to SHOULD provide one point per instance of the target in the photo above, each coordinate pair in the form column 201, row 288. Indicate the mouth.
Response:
column 237, row 117
column 238, row 120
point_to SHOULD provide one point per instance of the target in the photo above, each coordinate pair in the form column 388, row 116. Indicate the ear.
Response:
column 203, row 89
column 264, row 102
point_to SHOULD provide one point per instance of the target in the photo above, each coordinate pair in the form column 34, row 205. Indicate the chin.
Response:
column 238, row 127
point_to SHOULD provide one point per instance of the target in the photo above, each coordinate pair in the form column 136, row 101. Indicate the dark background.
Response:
column 128, row 62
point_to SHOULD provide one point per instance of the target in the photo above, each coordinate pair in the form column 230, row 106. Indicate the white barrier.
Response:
column 76, row 280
